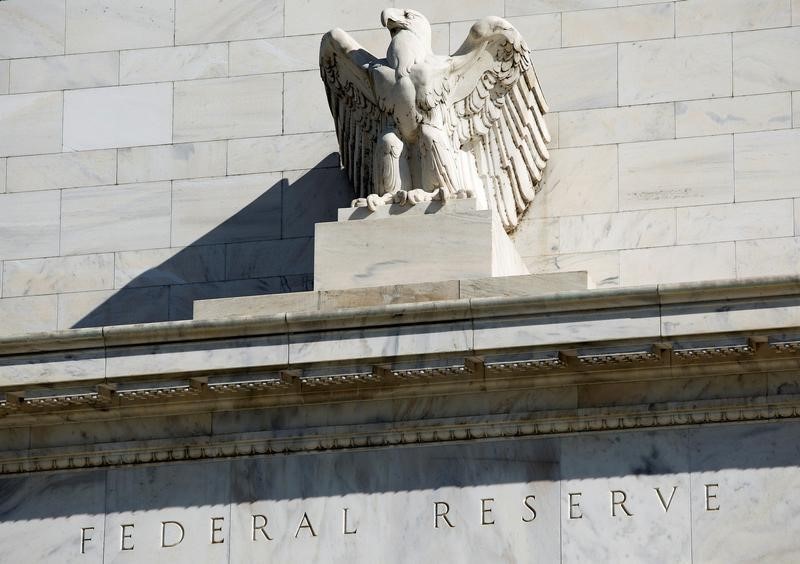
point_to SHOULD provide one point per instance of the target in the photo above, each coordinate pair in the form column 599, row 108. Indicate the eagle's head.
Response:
column 397, row 20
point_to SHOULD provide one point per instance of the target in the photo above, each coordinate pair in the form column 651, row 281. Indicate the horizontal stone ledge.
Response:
column 400, row 314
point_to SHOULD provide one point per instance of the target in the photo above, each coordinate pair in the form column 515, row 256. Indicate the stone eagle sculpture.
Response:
column 415, row 126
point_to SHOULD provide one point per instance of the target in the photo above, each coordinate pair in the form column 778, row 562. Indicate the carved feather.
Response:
column 496, row 111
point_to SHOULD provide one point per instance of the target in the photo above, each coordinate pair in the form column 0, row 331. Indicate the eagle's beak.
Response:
column 391, row 19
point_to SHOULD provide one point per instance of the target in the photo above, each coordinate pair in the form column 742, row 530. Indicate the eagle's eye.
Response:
column 408, row 15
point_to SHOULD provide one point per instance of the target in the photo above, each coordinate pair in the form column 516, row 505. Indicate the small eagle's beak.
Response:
column 391, row 19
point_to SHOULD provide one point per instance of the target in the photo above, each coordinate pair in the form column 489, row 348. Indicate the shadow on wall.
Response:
column 266, row 248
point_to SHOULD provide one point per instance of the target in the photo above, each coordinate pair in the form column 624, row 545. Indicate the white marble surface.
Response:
column 759, row 61
column 155, row 267
column 768, row 257
column 523, row 7
column 173, row 63
column 626, row 230
column 29, row 225
column 109, row 25
column 674, row 69
column 616, row 125
column 580, row 180
column 205, row 21
column 697, row 17
column 282, row 152
column 31, row 123
column 766, row 165
column 682, row 172
column 629, row 23
column 222, row 108
column 200, row 206
column 739, row 221
column 65, row 72
column 121, row 116
column 305, row 105
column 171, row 162
column 278, row 54
column 684, row 263
column 28, row 314
column 578, row 78
column 603, row 267
column 31, row 28
column 46, row 276
column 62, row 170
column 733, row 115
column 5, row 77
column 126, row 217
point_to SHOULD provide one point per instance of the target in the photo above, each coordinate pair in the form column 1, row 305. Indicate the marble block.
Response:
column 404, row 247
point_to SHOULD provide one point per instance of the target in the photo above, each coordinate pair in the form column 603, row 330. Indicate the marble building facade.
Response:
column 162, row 168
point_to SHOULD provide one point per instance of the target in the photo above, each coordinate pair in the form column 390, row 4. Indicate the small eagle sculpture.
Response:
column 415, row 126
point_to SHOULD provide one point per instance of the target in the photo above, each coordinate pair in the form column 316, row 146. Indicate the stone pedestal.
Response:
column 403, row 245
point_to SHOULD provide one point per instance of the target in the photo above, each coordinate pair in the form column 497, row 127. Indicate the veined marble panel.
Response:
column 537, row 236
column 278, row 54
column 305, row 105
column 29, row 224
column 579, row 180
column 173, row 63
column 222, row 108
column 349, row 15
column 626, row 498
column 3, row 168
column 169, row 162
column 542, row 31
column 42, row 517
column 603, row 267
column 5, row 77
column 119, row 116
column 733, row 115
column 278, row 257
column 614, row 25
column 733, row 222
column 30, row 123
column 207, row 21
column 760, row 61
column 47, row 276
column 226, row 210
column 283, row 152
column 578, row 78
column 65, row 72
column 625, row 230
column 62, row 170
column 110, row 25
column 766, row 165
column 524, row 7
column 443, row 10
column 674, row 69
column 157, row 267
column 768, row 257
column 125, row 217
column 796, row 109
column 616, row 125
column 28, row 314
column 682, row 172
column 745, row 493
column 31, row 28
column 113, row 307
column 302, row 206
column 698, row 17
column 686, row 263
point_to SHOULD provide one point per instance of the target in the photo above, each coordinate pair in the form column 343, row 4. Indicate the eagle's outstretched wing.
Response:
column 496, row 111
column 344, row 66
